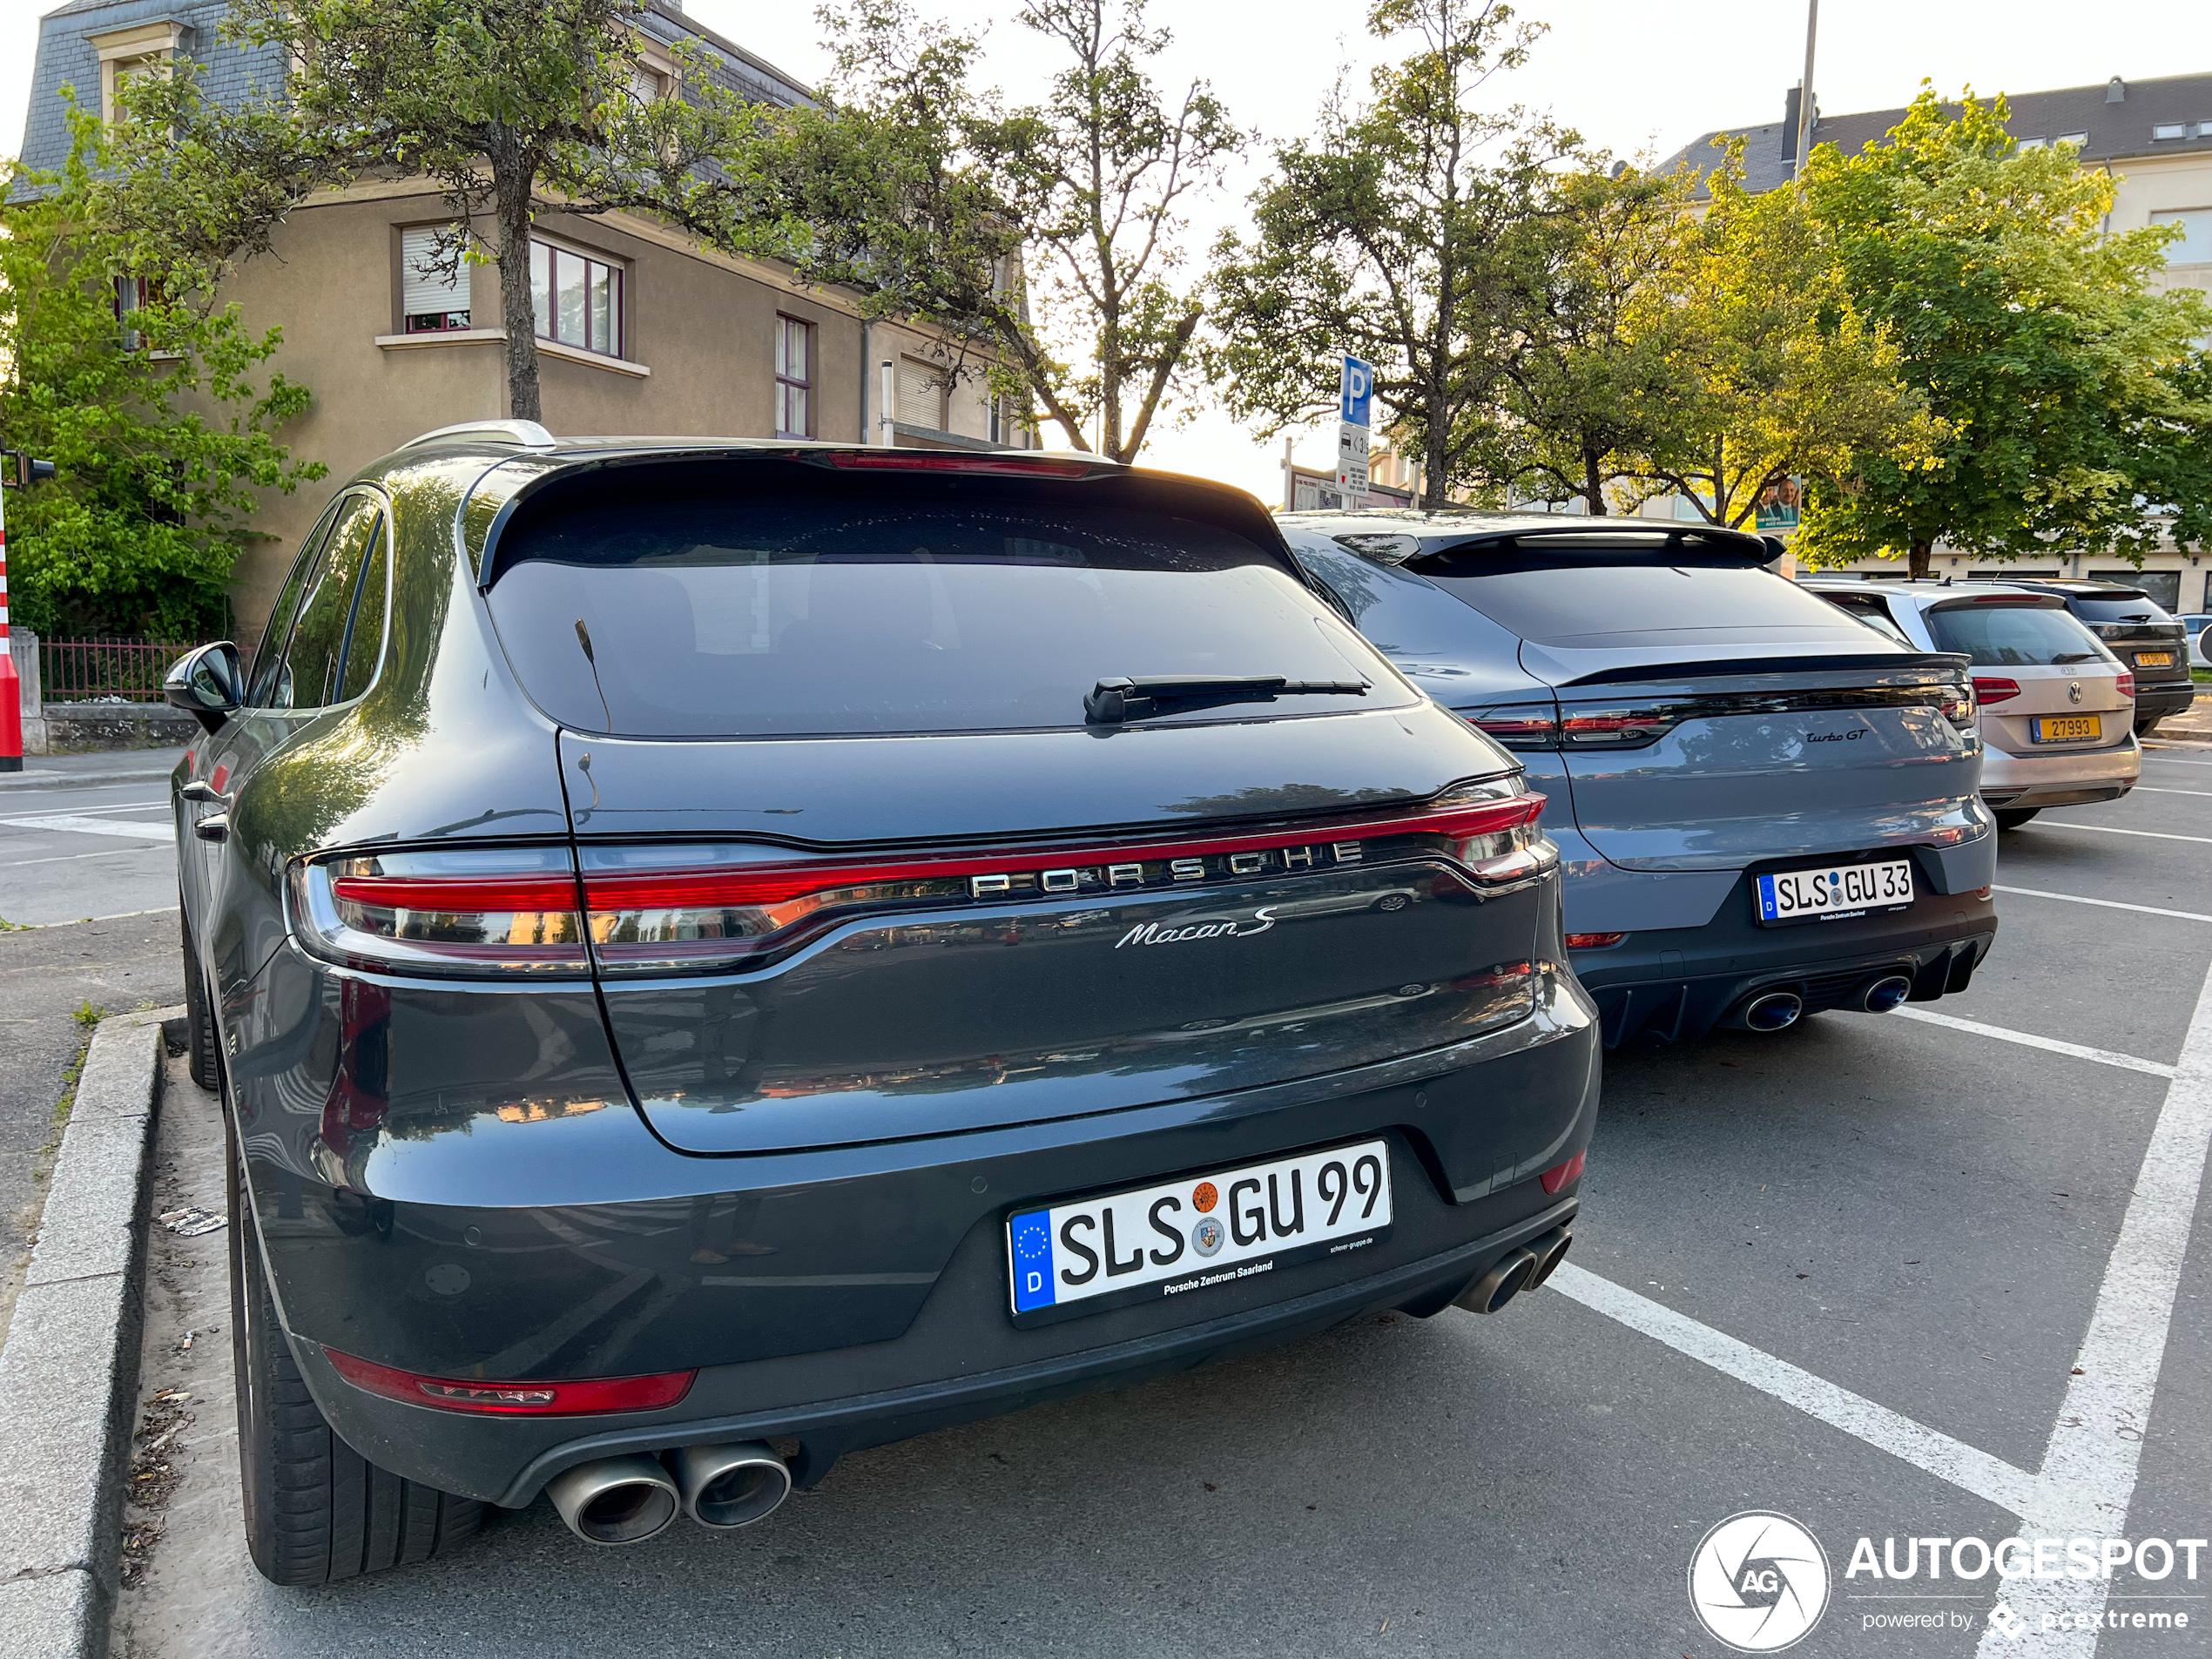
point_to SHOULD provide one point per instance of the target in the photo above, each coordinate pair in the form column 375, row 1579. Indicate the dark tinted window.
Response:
column 2001, row 635
column 870, row 611
column 270, row 657
column 2113, row 607
column 314, row 661
column 1592, row 601
column 1871, row 611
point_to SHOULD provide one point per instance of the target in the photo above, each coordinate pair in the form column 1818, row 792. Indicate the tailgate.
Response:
column 1062, row 925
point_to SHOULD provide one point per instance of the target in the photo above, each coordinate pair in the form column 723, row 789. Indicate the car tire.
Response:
column 315, row 1510
column 2144, row 728
column 199, row 1019
column 2014, row 817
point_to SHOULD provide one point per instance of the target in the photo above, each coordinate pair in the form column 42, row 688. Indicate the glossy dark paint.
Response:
column 394, row 1128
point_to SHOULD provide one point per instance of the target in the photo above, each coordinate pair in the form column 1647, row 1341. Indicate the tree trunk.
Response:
column 512, row 176
column 1434, row 448
column 1919, row 563
column 1593, row 484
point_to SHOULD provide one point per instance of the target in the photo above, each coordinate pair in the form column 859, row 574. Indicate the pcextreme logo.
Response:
column 1759, row 1581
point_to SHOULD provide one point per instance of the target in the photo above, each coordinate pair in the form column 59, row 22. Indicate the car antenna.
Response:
column 584, row 638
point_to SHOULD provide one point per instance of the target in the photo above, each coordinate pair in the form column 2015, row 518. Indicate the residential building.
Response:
column 639, row 328
column 2154, row 137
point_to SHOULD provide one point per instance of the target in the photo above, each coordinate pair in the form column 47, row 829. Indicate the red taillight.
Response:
column 948, row 460
column 482, row 912
column 1989, row 689
column 452, row 896
column 1593, row 942
column 1561, row 1175
column 558, row 1398
column 2127, row 685
column 1518, row 728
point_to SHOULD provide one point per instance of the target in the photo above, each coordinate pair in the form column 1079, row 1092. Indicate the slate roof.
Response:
column 233, row 74
column 2109, row 130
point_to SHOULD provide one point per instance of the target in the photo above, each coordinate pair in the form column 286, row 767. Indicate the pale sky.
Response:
column 1632, row 76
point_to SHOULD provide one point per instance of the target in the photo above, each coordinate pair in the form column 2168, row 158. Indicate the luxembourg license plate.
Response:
column 1192, row 1234
column 2154, row 659
column 2069, row 728
column 1832, row 894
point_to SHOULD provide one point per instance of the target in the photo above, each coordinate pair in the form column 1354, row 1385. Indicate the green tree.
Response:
column 1389, row 235
column 2070, row 394
column 1588, row 389
column 516, row 106
column 150, row 399
column 1777, row 373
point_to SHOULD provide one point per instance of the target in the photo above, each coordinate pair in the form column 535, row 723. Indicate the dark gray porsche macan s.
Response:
column 718, row 955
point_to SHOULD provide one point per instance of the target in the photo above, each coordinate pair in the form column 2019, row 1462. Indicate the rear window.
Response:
column 887, row 605
column 1871, row 612
column 2112, row 607
column 2013, row 636
column 1593, row 601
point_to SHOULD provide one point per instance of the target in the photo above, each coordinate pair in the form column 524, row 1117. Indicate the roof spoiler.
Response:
column 522, row 434
column 1940, row 664
column 2029, row 601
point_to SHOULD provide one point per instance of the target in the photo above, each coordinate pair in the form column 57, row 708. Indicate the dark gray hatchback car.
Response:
column 717, row 954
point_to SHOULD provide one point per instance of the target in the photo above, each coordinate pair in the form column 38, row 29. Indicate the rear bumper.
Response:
column 2156, row 699
column 1676, row 985
column 2009, row 779
column 859, row 1295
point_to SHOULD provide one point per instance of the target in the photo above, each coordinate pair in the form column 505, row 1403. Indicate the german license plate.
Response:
column 2069, row 728
column 1833, row 893
column 2154, row 659
column 1189, row 1235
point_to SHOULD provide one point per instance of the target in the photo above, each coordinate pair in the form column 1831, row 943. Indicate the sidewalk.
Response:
column 90, row 772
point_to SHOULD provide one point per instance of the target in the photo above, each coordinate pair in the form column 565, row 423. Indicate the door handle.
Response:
column 199, row 790
column 216, row 826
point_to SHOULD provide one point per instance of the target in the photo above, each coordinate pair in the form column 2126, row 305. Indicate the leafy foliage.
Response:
column 162, row 426
column 1392, row 234
column 2070, row 394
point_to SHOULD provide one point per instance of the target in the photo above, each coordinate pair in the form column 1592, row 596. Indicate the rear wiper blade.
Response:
column 2063, row 657
column 1131, row 698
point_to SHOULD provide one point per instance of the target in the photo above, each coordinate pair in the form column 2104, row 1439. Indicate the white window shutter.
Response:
column 423, row 288
column 920, row 399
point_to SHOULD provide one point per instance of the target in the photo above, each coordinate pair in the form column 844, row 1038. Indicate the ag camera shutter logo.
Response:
column 1759, row 1581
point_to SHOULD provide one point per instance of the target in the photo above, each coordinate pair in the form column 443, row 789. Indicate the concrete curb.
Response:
column 68, row 1373
column 43, row 778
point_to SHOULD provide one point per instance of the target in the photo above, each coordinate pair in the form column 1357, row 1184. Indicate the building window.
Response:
column 2077, row 139
column 2195, row 245
column 922, row 395
column 143, row 49
column 577, row 299
column 431, row 302
column 2028, row 145
column 2170, row 129
column 131, row 294
column 794, row 378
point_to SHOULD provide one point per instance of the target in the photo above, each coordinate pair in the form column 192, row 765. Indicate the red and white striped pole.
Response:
column 11, row 686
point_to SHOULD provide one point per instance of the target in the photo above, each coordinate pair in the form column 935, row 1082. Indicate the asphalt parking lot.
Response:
column 1885, row 1275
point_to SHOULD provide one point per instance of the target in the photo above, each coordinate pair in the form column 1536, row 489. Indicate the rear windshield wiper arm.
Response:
column 1126, row 698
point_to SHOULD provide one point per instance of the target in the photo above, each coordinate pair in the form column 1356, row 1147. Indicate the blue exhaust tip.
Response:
column 1774, row 1011
column 1886, row 993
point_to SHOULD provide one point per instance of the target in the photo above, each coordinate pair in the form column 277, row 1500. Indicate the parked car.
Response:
column 2145, row 638
column 1764, row 808
column 2194, row 627
column 2058, row 708
column 720, row 953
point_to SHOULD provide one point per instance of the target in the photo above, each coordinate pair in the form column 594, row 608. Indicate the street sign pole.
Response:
column 1355, row 393
column 11, row 685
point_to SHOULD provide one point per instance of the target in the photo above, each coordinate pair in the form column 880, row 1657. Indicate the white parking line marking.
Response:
column 2107, row 904
column 75, row 825
column 119, row 806
column 1915, row 1443
column 2095, row 1452
column 2107, row 829
column 2146, row 789
column 71, row 858
column 2028, row 1039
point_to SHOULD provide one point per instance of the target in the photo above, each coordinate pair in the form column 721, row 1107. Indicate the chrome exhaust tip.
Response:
column 1506, row 1278
column 1775, row 1011
column 1885, row 994
column 1549, row 1251
column 616, row 1500
column 731, row 1486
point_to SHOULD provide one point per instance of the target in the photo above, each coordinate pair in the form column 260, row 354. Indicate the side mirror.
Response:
column 207, row 684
